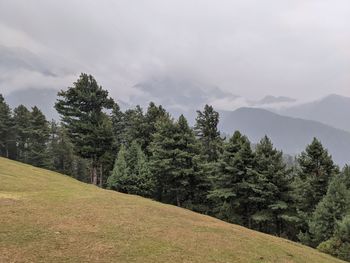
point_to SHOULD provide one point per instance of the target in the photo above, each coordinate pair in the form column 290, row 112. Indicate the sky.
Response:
column 250, row 48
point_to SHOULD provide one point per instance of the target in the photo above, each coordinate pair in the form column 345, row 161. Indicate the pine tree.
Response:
column 134, row 126
column 60, row 150
column 162, row 158
column 131, row 173
column 118, row 180
column 175, row 165
column 81, row 108
column 6, row 128
column 206, row 129
column 184, row 179
column 153, row 114
column 316, row 169
column 233, row 181
column 118, row 125
column 21, row 119
column 273, row 192
column 332, row 208
column 339, row 244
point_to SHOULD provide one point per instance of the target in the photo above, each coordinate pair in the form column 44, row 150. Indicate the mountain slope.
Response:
column 48, row 217
column 333, row 110
column 289, row 134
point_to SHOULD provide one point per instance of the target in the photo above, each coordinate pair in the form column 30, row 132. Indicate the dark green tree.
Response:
column 332, row 208
column 119, row 180
column 273, row 191
column 175, row 164
column 60, row 150
column 316, row 169
column 233, row 183
column 339, row 244
column 38, row 137
column 21, row 119
column 134, row 126
column 81, row 108
column 153, row 114
column 131, row 173
column 118, row 125
column 206, row 129
column 6, row 129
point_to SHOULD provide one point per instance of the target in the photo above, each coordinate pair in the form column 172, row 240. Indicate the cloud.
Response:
column 247, row 47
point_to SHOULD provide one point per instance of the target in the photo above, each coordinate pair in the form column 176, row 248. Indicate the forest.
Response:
column 151, row 154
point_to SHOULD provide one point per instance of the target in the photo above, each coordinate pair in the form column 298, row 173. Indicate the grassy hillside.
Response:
column 48, row 217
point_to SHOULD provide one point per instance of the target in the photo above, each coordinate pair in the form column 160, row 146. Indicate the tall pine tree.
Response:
column 82, row 112
column 273, row 191
column 206, row 129
column 6, row 128
column 38, row 138
column 234, row 180
column 22, row 128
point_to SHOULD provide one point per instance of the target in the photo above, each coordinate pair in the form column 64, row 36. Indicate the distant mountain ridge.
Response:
column 333, row 110
column 288, row 134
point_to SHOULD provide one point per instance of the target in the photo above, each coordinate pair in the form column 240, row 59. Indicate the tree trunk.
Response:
column 178, row 200
column 94, row 175
column 101, row 176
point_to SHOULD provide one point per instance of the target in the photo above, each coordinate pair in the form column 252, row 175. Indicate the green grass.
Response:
column 49, row 217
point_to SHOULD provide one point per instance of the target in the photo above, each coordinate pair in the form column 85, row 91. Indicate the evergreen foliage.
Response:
column 272, row 190
column 131, row 173
column 233, row 184
column 6, row 128
column 38, row 138
column 82, row 112
column 332, row 208
column 22, row 132
column 206, row 130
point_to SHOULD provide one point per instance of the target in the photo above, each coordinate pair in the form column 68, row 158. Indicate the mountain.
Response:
column 288, row 134
column 44, row 99
column 49, row 217
column 333, row 110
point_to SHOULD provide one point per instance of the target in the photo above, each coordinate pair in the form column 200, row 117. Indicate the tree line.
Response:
column 151, row 154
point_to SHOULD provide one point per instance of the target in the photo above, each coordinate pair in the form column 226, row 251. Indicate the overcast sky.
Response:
column 252, row 48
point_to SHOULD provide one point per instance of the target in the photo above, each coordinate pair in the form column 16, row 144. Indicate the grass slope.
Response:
column 48, row 217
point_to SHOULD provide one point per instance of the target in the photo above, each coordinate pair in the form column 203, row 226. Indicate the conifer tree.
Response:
column 6, row 128
column 273, row 192
column 162, row 158
column 153, row 114
column 118, row 180
column 174, row 163
column 339, row 244
column 206, row 129
column 118, row 125
column 316, row 169
column 81, row 108
column 21, row 119
column 234, row 180
column 184, row 179
column 60, row 150
column 131, row 173
column 332, row 208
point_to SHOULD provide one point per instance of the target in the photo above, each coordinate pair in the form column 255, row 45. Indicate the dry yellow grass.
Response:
column 48, row 217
